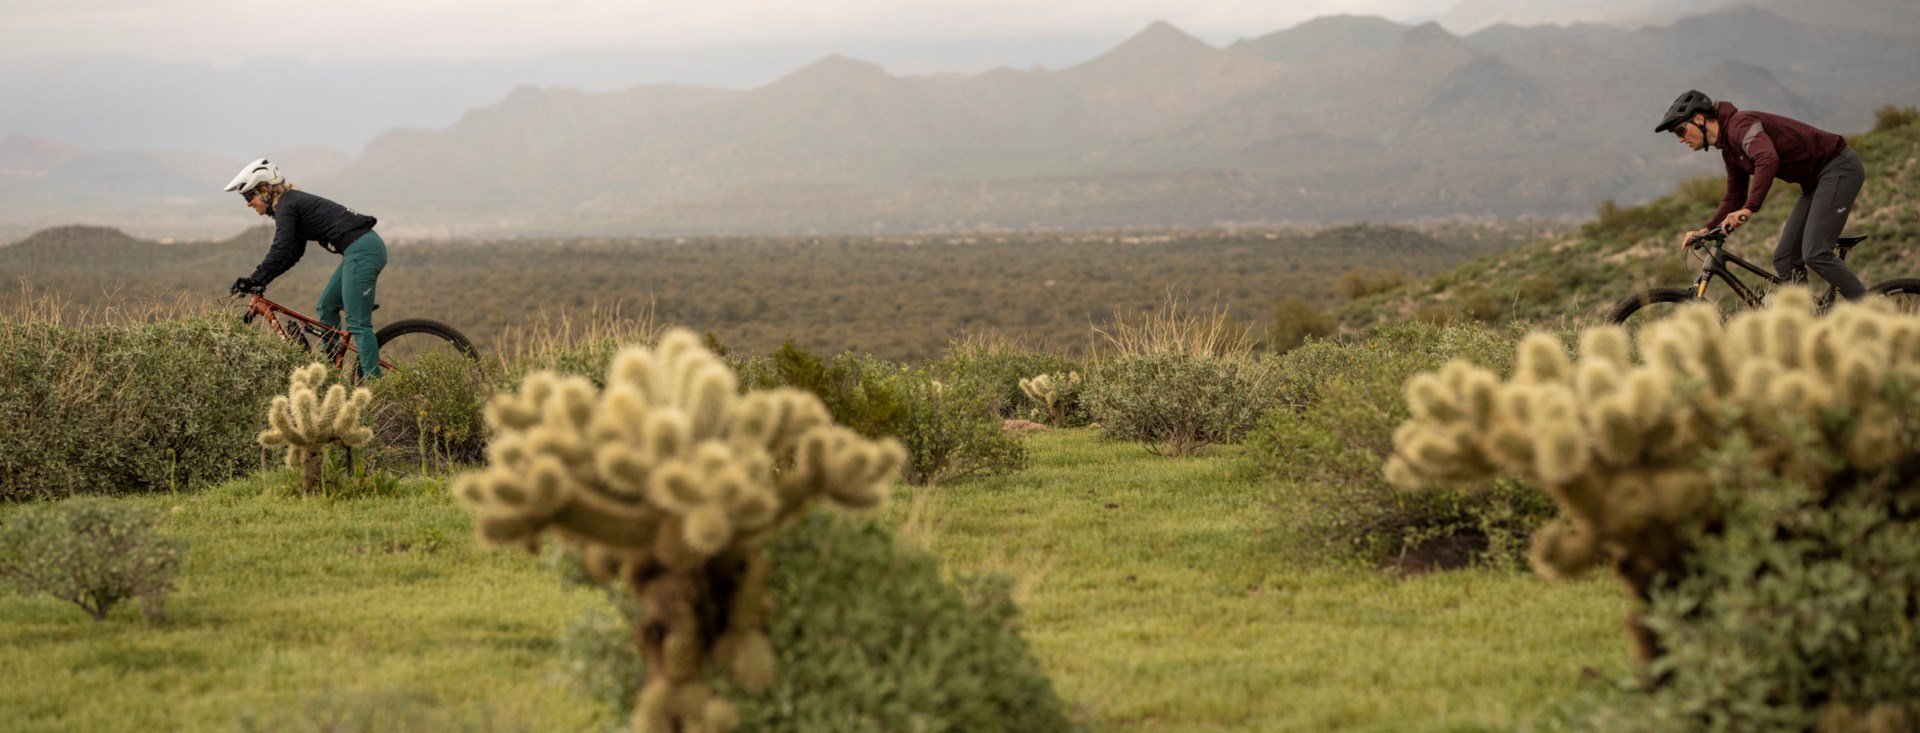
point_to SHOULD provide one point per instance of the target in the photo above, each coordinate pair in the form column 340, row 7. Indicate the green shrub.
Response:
column 857, row 390
column 1621, row 438
column 1177, row 402
column 1477, row 302
column 1361, row 282
column 92, row 552
column 128, row 409
column 1701, row 191
column 1342, row 402
column 1295, row 321
column 996, row 369
column 1894, row 116
column 951, row 429
column 871, row 638
column 583, row 358
column 1798, row 617
column 429, row 414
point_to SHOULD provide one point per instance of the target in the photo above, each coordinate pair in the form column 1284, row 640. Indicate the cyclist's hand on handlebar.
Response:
column 246, row 285
column 1736, row 219
column 1691, row 238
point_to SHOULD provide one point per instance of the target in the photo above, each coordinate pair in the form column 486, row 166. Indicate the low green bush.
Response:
column 1893, row 116
column 430, row 413
column 857, row 390
column 1361, row 282
column 132, row 408
column 1342, row 401
column 997, row 370
column 952, row 429
column 93, row 552
column 1295, row 321
column 871, row 638
column 1798, row 617
column 1178, row 402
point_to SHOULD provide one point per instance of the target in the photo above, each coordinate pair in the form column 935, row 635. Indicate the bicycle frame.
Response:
column 260, row 307
column 1716, row 265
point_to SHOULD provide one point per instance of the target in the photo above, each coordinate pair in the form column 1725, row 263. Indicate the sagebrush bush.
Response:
column 1620, row 444
column 952, row 430
column 1325, row 446
column 430, row 413
column 666, row 480
column 93, row 552
column 132, row 408
column 872, row 638
column 1178, row 402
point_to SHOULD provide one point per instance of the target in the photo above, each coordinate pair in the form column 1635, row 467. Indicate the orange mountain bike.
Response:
column 1648, row 304
column 401, row 342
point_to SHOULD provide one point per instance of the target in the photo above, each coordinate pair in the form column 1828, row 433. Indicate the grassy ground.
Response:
column 1154, row 595
column 1158, row 601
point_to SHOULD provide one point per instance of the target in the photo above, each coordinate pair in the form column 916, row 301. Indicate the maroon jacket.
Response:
column 1759, row 147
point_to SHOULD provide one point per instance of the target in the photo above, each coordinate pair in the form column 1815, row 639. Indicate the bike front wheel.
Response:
column 1649, row 305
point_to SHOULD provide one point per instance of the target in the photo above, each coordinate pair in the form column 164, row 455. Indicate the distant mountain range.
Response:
column 1341, row 118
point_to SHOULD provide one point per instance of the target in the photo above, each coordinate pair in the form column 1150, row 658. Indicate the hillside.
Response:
column 1575, row 278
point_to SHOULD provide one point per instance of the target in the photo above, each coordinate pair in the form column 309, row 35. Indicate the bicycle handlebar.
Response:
column 1715, row 235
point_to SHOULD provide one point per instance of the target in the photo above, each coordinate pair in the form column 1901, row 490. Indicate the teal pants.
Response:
column 351, row 287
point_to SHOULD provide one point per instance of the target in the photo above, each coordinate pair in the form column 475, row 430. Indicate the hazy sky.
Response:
column 227, row 31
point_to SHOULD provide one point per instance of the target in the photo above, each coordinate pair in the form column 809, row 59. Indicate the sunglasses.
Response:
column 250, row 195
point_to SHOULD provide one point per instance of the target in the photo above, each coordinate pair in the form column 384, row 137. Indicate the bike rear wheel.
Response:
column 1649, row 305
column 1904, row 292
column 415, row 342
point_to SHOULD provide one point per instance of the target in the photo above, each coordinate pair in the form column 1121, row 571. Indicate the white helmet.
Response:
column 256, row 173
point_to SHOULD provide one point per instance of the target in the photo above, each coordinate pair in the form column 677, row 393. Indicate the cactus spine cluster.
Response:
column 1052, row 392
column 1619, row 443
column 664, row 481
column 307, row 424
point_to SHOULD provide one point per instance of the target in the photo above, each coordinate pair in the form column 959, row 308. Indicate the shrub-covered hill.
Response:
column 897, row 297
column 1574, row 278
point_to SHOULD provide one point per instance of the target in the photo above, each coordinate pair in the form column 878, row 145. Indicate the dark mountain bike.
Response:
column 402, row 342
column 1651, row 304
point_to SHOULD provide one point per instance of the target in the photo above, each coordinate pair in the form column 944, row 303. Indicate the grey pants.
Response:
column 1806, row 242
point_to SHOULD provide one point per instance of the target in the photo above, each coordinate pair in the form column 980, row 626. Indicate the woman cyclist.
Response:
column 1758, row 148
column 300, row 217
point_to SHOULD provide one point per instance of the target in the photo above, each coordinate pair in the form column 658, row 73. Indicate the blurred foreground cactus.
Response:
column 1054, row 392
column 1618, row 443
column 665, row 481
column 306, row 424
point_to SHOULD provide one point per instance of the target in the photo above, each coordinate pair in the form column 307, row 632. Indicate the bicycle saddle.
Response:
column 1845, row 242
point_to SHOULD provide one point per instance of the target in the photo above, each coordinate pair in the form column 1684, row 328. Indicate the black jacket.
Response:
column 300, row 217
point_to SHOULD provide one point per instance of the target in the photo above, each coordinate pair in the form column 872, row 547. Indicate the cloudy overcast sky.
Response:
column 228, row 31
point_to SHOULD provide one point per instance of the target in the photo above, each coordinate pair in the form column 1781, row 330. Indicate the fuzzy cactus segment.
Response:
column 665, row 480
column 306, row 424
column 1617, row 442
column 1053, row 392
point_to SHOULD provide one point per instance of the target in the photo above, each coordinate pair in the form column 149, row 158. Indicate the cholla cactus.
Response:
column 664, row 481
column 1619, row 444
column 1052, row 392
column 306, row 424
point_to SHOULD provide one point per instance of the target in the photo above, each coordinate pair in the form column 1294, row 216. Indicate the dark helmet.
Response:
column 1683, row 109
